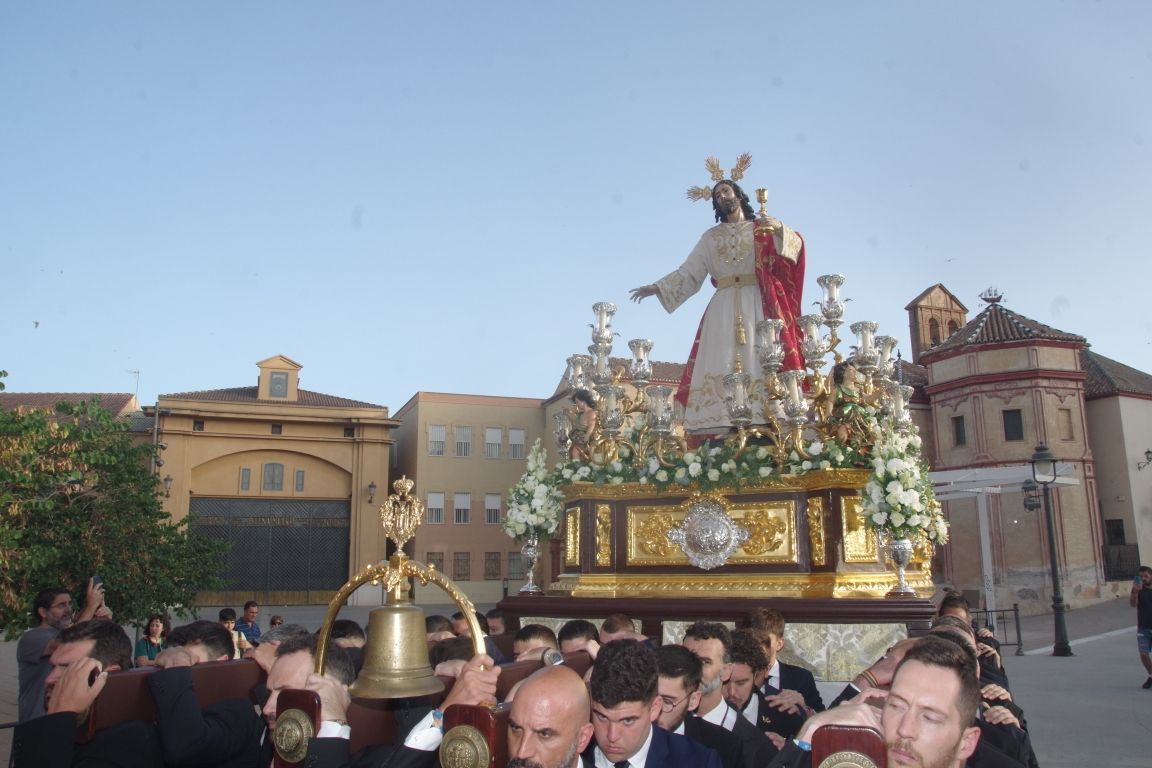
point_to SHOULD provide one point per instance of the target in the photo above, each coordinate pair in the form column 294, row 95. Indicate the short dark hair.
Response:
column 676, row 661
column 44, row 599
column 711, row 630
column 625, row 670
column 437, row 623
column 165, row 623
column 227, row 614
column 953, row 599
column 480, row 619
column 577, row 628
column 346, row 628
column 535, row 632
column 956, row 623
column 251, row 604
column 210, row 634
column 935, row 651
column 1144, row 569
column 453, row 649
column 338, row 663
column 113, row 647
column 746, row 649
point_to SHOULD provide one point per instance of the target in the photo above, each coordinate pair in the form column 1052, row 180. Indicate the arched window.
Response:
column 953, row 326
column 933, row 331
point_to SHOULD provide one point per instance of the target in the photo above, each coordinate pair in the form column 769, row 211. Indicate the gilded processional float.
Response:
column 783, row 470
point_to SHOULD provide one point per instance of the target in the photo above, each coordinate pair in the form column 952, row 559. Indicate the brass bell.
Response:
column 396, row 657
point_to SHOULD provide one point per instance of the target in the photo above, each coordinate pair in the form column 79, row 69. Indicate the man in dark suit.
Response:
column 624, row 707
column 679, row 690
column 226, row 734
column 748, row 666
column 87, row 652
column 783, row 684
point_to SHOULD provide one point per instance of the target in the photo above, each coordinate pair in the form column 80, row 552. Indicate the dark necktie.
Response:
column 621, row 764
column 769, row 689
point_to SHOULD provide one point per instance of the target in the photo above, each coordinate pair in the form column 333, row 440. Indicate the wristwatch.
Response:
column 551, row 657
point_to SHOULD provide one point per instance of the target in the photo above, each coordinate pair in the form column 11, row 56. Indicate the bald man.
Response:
column 549, row 726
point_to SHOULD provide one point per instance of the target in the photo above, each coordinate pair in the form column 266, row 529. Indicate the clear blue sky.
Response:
column 430, row 196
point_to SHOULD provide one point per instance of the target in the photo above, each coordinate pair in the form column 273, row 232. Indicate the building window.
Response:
column 435, row 509
column 277, row 429
column 435, row 560
column 436, row 439
column 492, row 508
column 462, row 506
column 349, row 431
column 933, row 331
column 492, row 439
column 463, row 441
column 1013, row 425
column 515, row 565
column 1114, row 532
column 952, row 327
column 492, row 565
column 516, row 443
column 462, row 566
column 1064, row 416
column 278, row 384
column 959, row 432
column 299, row 481
column 245, row 479
column 198, row 425
column 273, row 477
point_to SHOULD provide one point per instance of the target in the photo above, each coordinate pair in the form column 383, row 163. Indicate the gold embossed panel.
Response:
column 859, row 540
column 572, row 536
column 771, row 528
column 603, row 534
column 816, row 530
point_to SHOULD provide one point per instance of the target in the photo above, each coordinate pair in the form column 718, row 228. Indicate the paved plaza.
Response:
column 1085, row 710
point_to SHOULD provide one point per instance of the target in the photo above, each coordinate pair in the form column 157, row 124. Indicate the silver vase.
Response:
column 531, row 551
column 900, row 553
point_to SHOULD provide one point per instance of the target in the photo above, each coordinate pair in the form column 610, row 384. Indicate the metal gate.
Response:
column 280, row 550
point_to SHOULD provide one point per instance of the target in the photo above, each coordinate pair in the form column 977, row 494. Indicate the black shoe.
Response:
column 1147, row 684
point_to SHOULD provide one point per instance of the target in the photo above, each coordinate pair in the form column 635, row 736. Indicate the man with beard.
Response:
column 741, row 691
column 548, row 726
column 625, row 705
column 679, row 689
column 757, row 267
column 711, row 642
column 53, row 609
column 85, row 655
column 927, row 718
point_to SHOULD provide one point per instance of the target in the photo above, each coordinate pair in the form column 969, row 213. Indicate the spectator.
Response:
column 52, row 610
column 149, row 646
column 1140, row 598
column 274, row 621
column 247, row 625
column 228, row 621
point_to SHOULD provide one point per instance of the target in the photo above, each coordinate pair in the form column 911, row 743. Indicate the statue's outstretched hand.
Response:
column 643, row 292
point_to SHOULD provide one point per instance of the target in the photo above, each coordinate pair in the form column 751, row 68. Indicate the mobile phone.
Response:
column 96, row 580
column 1137, row 579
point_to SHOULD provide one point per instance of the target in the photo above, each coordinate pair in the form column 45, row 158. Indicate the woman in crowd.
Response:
column 147, row 647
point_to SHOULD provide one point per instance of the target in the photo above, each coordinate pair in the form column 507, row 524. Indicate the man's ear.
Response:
column 968, row 741
column 694, row 700
column 655, row 708
column 725, row 671
column 585, row 737
column 779, row 643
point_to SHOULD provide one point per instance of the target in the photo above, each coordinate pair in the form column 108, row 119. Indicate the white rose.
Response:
column 713, row 475
column 897, row 519
column 764, row 471
column 879, row 518
column 661, row 476
column 695, row 469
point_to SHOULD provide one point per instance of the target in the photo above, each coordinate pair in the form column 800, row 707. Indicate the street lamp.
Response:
column 1044, row 473
column 371, row 491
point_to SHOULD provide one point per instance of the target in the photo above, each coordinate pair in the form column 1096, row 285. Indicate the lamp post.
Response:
column 1044, row 473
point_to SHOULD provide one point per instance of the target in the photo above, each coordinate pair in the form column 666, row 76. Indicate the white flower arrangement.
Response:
column 898, row 497
column 535, row 502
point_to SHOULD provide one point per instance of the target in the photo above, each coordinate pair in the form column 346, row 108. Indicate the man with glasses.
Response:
column 679, row 690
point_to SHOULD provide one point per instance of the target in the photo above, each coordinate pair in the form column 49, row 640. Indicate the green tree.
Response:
column 77, row 498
